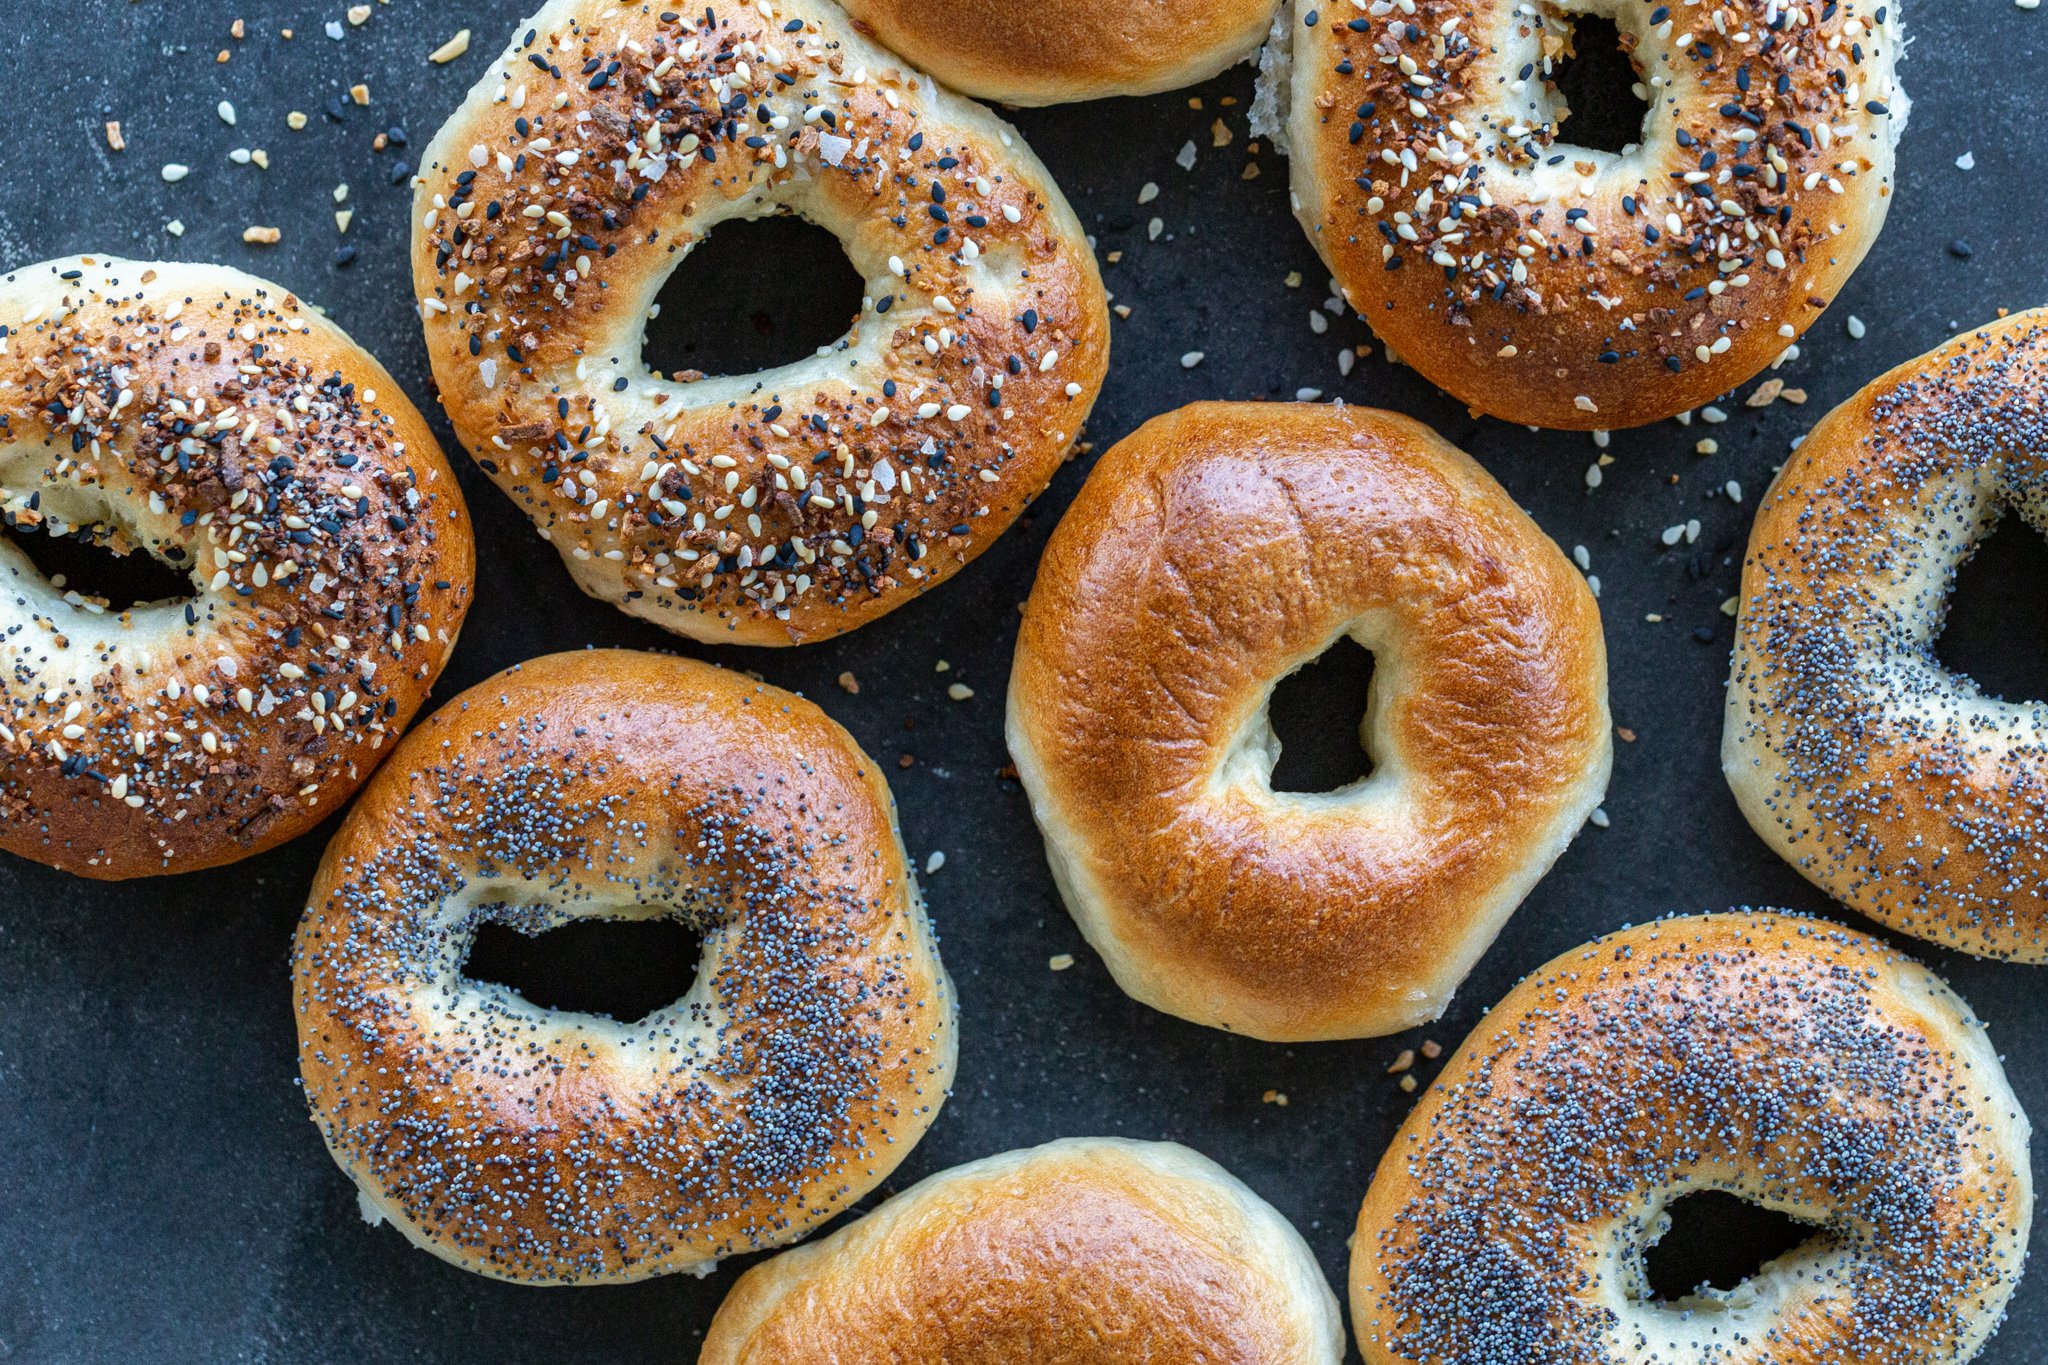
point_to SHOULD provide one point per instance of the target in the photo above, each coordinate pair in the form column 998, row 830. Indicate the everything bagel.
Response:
column 1789, row 1062
column 1213, row 552
column 1563, row 286
column 1051, row 51
column 796, row 503
column 548, row 1147
column 211, row 421
column 1899, row 787
column 1093, row 1251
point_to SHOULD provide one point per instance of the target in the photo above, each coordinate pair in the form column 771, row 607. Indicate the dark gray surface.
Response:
column 162, row 1194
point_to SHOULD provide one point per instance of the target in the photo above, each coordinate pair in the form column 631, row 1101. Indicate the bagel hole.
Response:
column 81, row 561
column 1993, row 633
column 1716, row 1241
column 1597, row 81
column 624, row 969
column 752, row 295
column 1318, row 714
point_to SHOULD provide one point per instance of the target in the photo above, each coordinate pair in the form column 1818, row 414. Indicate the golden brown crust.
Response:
column 1053, row 51
column 211, row 420
column 1082, row 1252
column 1787, row 1061
column 801, row 502
column 1771, row 143
column 535, row 1145
column 1899, row 788
column 1211, row 553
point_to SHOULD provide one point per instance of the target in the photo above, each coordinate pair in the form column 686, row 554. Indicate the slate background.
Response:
column 162, row 1194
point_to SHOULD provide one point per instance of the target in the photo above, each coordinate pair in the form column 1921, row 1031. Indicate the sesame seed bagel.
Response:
column 1053, row 51
column 799, row 502
column 1788, row 1062
column 1563, row 286
column 809, row 1056
column 1900, row 788
column 1212, row 553
column 215, row 423
column 1088, row 1251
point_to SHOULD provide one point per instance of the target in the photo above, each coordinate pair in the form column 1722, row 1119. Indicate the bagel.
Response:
column 1053, row 51
column 213, row 422
column 1562, row 286
column 1898, row 787
column 1088, row 1251
column 1210, row 554
column 1791, row 1063
column 795, row 503
column 550, row 1147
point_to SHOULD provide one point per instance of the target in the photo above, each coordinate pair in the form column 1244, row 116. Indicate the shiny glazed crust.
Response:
column 1900, row 788
column 548, row 1147
column 796, row 503
column 1210, row 554
column 1088, row 1251
column 1053, row 51
column 1653, row 280
column 212, row 421
column 1797, row 1065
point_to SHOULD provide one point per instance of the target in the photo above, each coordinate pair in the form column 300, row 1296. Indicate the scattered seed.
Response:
column 450, row 50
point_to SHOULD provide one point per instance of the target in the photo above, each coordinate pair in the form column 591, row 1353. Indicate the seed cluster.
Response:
column 543, row 1146
column 216, row 424
column 1768, row 139
column 1896, row 785
column 1791, row 1063
column 551, row 209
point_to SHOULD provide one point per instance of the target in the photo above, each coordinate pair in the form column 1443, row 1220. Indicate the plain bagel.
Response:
column 1562, row 286
column 799, row 502
column 1899, row 787
column 1053, row 51
column 1088, row 1251
column 810, row 1054
column 1788, row 1062
column 214, row 422
column 1211, row 553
